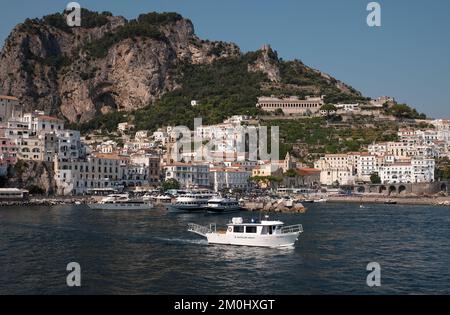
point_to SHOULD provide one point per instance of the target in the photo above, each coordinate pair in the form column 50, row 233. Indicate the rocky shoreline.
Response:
column 274, row 205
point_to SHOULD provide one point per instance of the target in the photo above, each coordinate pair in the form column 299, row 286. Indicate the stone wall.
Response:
column 403, row 189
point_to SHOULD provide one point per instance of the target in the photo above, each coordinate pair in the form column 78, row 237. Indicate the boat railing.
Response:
column 297, row 228
column 201, row 229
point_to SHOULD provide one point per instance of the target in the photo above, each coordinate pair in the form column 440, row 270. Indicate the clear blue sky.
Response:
column 408, row 57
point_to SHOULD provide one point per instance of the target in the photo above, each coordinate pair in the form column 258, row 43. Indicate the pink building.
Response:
column 8, row 151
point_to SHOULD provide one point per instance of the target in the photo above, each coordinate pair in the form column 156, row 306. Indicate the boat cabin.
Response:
column 264, row 227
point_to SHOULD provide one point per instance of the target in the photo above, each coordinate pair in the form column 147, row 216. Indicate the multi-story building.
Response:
column 367, row 165
column 152, row 163
column 31, row 148
column 108, row 146
column 8, row 155
column 95, row 172
column 336, row 176
column 188, row 175
column 38, row 122
column 267, row 169
column 291, row 105
column 229, row 178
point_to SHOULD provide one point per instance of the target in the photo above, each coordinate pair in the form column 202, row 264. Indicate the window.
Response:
column 250, row 229
column 238, row 229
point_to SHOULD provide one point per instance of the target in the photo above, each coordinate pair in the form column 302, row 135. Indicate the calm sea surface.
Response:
column 150, row 252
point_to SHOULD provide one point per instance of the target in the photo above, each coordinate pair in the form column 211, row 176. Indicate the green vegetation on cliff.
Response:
column 146, row 25
column 320, row 136
column 403, row 111
column 222, row 88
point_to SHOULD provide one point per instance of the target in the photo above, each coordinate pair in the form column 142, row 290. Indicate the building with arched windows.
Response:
column 291, row 105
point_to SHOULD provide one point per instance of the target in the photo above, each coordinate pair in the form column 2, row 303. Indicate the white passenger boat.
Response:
column 265, row 233
column 222, row 205
column 163, row 199
column 193, row 201
column 120, row 202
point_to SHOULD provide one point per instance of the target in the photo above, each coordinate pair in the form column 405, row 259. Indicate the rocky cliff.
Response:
column 35, row 176
column 107, row 64
column 112, row 64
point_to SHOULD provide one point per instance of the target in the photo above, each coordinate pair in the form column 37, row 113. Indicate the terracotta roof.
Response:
column 110, row 156
column 7, row 97
column 307, row 171
column 45, row 117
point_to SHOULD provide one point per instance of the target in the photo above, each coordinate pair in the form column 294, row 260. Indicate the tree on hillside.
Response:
column 403, row 111
column 330, row 109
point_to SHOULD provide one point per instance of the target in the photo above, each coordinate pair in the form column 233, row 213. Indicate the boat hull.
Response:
column 116, row 206
column 223, row 209
column 274, row 240
column 185, row 208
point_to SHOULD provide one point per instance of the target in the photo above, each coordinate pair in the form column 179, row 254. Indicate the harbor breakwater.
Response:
column 423, row 200
column 284, row 206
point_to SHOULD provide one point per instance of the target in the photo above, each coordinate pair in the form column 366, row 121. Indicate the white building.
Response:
column 39, row 123
column 94, row 172
column 125, row 126
column 417, row 170
column 188, row 175
column 347, row 107
column 229, row 178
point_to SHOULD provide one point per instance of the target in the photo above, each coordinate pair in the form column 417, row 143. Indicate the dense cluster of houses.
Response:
column 411, row 159
column 79, row 168
column 143, row 158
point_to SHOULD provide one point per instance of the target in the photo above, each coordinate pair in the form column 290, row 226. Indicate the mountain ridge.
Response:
column 111, row 64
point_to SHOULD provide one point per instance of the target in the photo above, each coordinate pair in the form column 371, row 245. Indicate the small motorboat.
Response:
column 264, row 233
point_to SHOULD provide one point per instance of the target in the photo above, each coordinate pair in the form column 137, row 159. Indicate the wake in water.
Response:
column 182, row 240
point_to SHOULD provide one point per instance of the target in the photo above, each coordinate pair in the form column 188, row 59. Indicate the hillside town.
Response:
column 140, row 160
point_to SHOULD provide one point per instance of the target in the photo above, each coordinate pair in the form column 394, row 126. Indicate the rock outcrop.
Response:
column 279, row 205
column 52, row 68
column 267, row 62
column 112, row 64
column 36, row 176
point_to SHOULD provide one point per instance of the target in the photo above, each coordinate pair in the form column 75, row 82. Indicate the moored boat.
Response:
column 265, row 233
column 120, row 202
column 222, row 205
column 193, row 201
